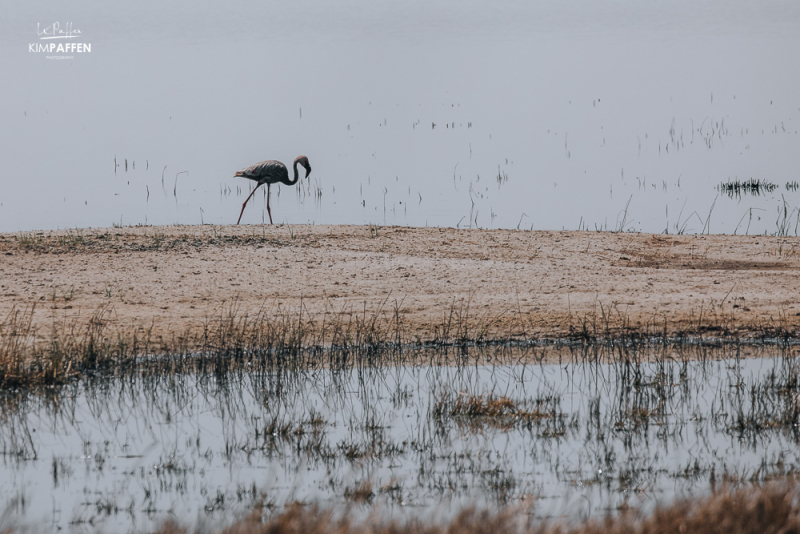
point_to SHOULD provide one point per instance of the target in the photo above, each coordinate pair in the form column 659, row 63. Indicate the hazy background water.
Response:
column 581, row 108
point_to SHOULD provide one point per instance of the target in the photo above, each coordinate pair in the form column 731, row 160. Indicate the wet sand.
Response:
column 171, row 281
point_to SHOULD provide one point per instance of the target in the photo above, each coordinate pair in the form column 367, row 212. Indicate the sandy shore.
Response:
column 172, row 280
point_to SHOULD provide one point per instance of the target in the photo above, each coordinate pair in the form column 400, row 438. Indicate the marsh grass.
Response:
column 71, row 348
column 772, row 405
column 712, row 321
column 297, row 338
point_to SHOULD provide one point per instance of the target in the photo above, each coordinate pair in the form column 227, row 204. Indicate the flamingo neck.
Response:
column 296, row 176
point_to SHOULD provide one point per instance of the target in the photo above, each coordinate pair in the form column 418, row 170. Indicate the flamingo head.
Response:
column 302, row 160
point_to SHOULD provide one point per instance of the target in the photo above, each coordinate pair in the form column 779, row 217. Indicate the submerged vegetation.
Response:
column 751, row 186
column 534, row 437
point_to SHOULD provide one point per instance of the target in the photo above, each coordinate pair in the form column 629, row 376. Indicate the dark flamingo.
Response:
column 271, row 172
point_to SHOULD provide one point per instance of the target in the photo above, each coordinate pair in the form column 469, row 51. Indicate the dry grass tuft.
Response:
column 756, row 510
column 361, row 492
column 499, row 412
column 483, row 406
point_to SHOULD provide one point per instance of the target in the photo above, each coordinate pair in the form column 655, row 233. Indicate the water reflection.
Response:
column 135, row 450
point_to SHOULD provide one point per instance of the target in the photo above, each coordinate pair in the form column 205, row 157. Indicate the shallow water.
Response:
column 608, row 115
column 130, row 453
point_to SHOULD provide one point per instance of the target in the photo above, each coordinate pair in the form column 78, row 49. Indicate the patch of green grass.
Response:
column 71, row 239
column 29, row 240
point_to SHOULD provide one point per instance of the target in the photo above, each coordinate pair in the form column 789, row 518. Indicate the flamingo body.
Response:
column 271, row 172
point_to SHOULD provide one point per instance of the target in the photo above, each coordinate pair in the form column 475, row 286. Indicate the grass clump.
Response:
column 28, row 240
column 499, row 412
column 71, row 349
column 361, row 492
column 70, row 240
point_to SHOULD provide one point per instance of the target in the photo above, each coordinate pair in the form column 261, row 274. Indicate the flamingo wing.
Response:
column 269, row 171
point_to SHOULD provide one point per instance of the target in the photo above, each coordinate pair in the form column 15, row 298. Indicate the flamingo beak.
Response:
column 308, row 170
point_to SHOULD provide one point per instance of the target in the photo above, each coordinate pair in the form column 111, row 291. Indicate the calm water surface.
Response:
column 545, row 115
column 130, row 453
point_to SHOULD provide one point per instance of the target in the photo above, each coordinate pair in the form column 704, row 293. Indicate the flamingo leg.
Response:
column 268, row 211
column 245, row 203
